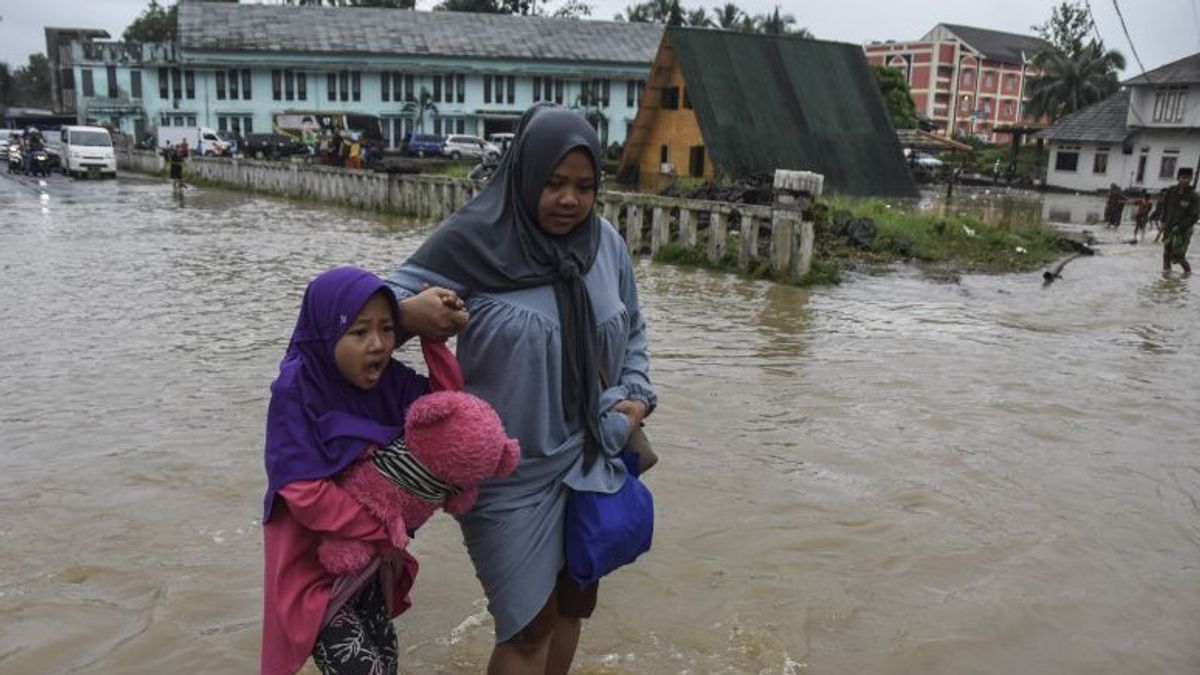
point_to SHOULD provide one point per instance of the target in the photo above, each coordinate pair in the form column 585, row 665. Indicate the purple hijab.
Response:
column 317, row 422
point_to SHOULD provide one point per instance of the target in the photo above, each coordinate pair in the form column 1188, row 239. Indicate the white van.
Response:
column 83, row 149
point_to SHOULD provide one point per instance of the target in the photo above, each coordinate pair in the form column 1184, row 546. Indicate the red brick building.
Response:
column 969, row 80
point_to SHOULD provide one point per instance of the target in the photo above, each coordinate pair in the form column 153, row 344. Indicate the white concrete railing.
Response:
column 788, row 246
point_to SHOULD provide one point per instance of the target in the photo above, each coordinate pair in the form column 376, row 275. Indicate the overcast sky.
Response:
column 1162, row 30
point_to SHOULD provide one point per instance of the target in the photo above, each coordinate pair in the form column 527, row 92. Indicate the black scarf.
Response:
column 494, row 243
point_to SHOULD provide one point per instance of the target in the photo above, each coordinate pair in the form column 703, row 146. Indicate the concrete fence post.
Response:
column 748, row 236
column 688, row 235
column 783, row 227
column 716, row 236
column 658, row 227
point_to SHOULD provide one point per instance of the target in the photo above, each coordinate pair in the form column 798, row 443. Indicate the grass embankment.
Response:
column 945, row 246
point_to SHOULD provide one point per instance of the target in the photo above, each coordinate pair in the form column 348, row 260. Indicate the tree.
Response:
column 415, row 110
column 7, row 86
column 697, row 17
column 28, row 85
column 637, row 13
column 1066, row 84
column 729, row 16
column 1067, row 28
column 572, row 9
column 154, row 24
column 776, row 23
column 1075, row 70
column 893, row 86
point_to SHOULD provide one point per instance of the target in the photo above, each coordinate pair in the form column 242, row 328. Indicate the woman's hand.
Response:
column 435, row 314
column 634, row 411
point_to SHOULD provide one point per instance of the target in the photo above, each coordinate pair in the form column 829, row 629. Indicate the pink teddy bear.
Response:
column 455, row 436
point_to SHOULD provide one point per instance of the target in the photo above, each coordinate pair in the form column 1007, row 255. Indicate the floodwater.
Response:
column 894, row 475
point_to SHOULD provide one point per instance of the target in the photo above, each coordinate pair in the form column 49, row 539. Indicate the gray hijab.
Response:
column 494, row 243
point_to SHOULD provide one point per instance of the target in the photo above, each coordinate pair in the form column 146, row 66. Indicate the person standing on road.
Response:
column 1180, row 210
column 1115, row 206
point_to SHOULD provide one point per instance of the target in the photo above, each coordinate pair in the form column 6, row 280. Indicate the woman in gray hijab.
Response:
column 552, row 298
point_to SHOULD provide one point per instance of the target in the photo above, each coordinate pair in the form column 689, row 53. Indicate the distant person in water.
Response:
column 1115, row 206
column 1180, row 210
column 1141, row 214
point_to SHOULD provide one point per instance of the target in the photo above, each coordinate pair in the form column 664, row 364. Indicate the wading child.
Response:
column 339, row 393
column 1141, row 214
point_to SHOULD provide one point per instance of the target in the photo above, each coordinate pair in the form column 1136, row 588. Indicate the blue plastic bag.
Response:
column 607, row 531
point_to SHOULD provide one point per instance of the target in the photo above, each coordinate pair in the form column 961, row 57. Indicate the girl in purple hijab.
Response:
column 338, row 394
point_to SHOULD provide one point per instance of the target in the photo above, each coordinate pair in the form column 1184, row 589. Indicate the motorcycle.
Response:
column 16, row 161
column 40, row 166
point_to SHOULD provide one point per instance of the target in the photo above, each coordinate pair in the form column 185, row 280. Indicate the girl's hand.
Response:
column 434, row 314
column 635, row 411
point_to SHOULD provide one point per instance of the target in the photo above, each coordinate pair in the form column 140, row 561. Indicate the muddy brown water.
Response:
column 894, row 475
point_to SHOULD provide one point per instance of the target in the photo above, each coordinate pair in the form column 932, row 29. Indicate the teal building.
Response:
column 237, row 66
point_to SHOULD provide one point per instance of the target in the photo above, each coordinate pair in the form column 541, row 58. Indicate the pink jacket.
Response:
column 296, row 588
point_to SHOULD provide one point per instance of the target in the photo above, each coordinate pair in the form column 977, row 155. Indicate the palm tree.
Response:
column 729, row 16
column 1068, row 84
column 775, row 23
column 697, row 17
column 415, row 110
column 637, row 13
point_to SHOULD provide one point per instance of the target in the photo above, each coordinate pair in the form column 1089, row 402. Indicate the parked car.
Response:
column 423, row 145
column 502, row 140
column 457, row 147
column 231, row 142
column 201, row 140
column 925, row 161
column 272, row 146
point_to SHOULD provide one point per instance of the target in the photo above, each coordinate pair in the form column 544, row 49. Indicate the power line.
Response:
column 1128, row 39
column 1196, row 18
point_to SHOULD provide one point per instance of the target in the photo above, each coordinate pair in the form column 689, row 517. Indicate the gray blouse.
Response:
column 510, row 355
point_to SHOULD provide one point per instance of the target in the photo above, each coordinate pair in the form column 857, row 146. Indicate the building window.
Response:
column 989, row 80
column 449, row 80
column 460, row 83
column 289, row 85
column 233, row 85
column 344, row 85
column 246, row 84
column 176, row 83
column 189, row 79
column 670, row 98
column 331, row 79
column 663, row 153
column 1100, row 162
column 537, row 89
column 135, row 83
column 1067, row 158
column 162, row 83
column 408, row 88
column 356, row 86
column 487, row 88
column 276, row 84
column 558, row 91
column 968, row 78
column 385, row 87
column 633, row 93
column 220, row 85
column 89, row 85
column 111, row 73
column 437, row 88
column 1169, row 104
column 1166, row 167
column 301, row 86
column 696, row 161
column 512, row 89
column 191, row 120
